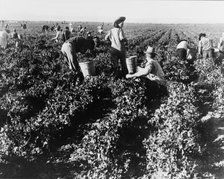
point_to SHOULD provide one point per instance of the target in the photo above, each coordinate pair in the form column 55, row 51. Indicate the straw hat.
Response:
column 119, row 20
column 150, row 50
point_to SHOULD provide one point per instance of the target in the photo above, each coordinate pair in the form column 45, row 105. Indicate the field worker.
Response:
column 66, row 34
column 71, row 47
column 152, row 70
column 4, row 38
column 205, row 46
column 79, row 28
column 221, row 44
column 70, row 27
column 59, row 35
column 118, row 52
column 182, row 50
column 83, row 31
column 7, row 26
column 3, row 24
column 100, row 29
column 16, row 37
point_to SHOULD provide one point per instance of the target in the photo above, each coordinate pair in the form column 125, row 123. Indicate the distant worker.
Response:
column 100, row 29
column 66, row 34
column 23, row 26
column 88, row 34
column 17, row 38
column 118, row 51
column 221, row 44
column 79, row 28
column 71, row 27
column 7, row 26
column 71, row 47
column 182, row 50
column 83, row 31
column 59, row 35
column 3, row 24
column 4, row 38
column 205, row 46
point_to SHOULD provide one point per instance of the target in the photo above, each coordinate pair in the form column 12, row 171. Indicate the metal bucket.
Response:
column 131, row 63
column 88, row 68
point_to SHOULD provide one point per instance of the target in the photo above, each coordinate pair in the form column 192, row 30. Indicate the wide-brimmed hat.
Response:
column 201, row 35
column 119, row 20
column 150, row 50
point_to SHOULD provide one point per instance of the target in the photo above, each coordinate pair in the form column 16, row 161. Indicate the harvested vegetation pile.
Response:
column 107, row 127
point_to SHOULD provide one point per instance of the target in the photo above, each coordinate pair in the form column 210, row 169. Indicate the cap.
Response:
column 150, row 50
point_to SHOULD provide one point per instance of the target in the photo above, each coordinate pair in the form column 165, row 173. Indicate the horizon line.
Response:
column 111, row 22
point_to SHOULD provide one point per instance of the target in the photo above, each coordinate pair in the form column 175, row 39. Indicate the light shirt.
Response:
column 4, row 36
column 182, row 44
column 59, row 35
column 221, row 44
column 205, row 43
column 156, row 72
column 116, row 35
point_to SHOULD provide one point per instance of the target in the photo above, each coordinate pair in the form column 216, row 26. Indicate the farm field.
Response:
column 108, row 127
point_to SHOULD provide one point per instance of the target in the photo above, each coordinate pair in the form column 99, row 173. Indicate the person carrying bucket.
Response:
column 71, row 47
column 118, row 41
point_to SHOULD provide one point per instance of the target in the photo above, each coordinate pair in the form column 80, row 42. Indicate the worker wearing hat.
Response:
column 205, row 46
column 152, row 69
column 118, row 40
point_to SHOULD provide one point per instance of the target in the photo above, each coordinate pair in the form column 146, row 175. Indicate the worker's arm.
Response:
column 199, row 48
column 140, row 72
column 220, row 43
column 56, row 37
column 107, row 36
column 122, row 36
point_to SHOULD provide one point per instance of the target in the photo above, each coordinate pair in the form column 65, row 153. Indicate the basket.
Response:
column 131, row 63
column 88, row 68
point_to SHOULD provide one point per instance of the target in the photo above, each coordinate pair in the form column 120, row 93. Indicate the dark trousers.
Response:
column 181, row 53
column 71, row 58
column 154, row 90
column 116, row 57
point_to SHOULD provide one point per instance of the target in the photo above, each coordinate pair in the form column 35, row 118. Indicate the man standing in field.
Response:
column 118, row 52
column 205, row 46
column 71, row 47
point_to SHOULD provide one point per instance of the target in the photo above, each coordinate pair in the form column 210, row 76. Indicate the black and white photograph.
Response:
column 111, row 89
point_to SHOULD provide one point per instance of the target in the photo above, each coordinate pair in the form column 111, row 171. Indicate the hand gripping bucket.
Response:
column 88, row 68
column 131, row 64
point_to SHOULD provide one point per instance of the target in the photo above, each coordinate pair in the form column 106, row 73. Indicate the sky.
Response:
column 140, row 11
